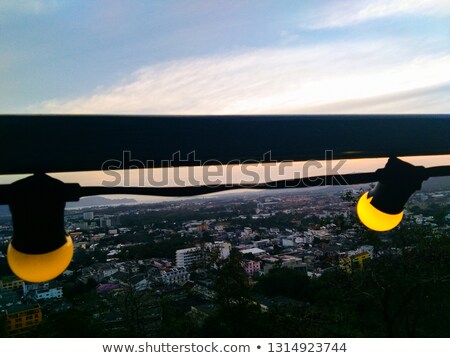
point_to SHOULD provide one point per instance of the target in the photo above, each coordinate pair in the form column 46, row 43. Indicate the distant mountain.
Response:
column 98, row 201
column 82, row 203
column 436, row 184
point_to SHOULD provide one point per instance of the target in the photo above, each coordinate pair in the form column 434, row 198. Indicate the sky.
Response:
column 224, row 57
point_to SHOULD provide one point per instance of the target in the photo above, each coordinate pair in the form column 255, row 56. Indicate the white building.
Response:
column 177, row 275
column 287, row 242
column 88, row 216
column 187, row 257
column 224, row 248
column 49, row 293
column 254, row 250
column 43, row 291
column 198, row 255
column 262, row 243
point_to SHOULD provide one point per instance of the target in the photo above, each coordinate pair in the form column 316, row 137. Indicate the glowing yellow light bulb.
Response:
column 40, row 267
column 375, row 219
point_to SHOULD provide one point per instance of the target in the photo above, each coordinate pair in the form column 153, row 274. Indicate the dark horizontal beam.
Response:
column 65, row 143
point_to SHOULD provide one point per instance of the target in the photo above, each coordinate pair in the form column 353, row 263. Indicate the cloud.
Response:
column 347, row 78
column 429, row 100
column 350, row 12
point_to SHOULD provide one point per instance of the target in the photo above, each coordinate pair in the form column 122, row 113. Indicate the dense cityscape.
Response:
column 270, row 263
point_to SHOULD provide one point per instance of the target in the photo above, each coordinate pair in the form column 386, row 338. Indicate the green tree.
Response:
column 236, row 312
column 74, row 323
column 286, row 282
column 231, row 282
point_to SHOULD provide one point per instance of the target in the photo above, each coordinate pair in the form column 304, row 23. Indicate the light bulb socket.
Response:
column 37, row 207
column 398, row 180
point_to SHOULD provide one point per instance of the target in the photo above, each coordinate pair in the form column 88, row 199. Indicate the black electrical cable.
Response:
column 73, row 192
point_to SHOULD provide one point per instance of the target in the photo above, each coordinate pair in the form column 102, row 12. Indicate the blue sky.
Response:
column 224, row 57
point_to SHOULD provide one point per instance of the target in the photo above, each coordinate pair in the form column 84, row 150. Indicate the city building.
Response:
column 199, row 255
column 139, row 282
column 48, row 293
column 366, row 249
column 97, row 272
column 8, row 298
column 223, row 247
column 286, row 261
column 254, row 251
column 105, row 222
column 287, row 242
column 178, row 275
column 262, row 243
column 83, row 225
column 252, row 267
column 21, row 318
column 88, row 216
column 188, row 257
column 43, row 291
column 353, row 262
column 10, row 283
column 194, row 226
